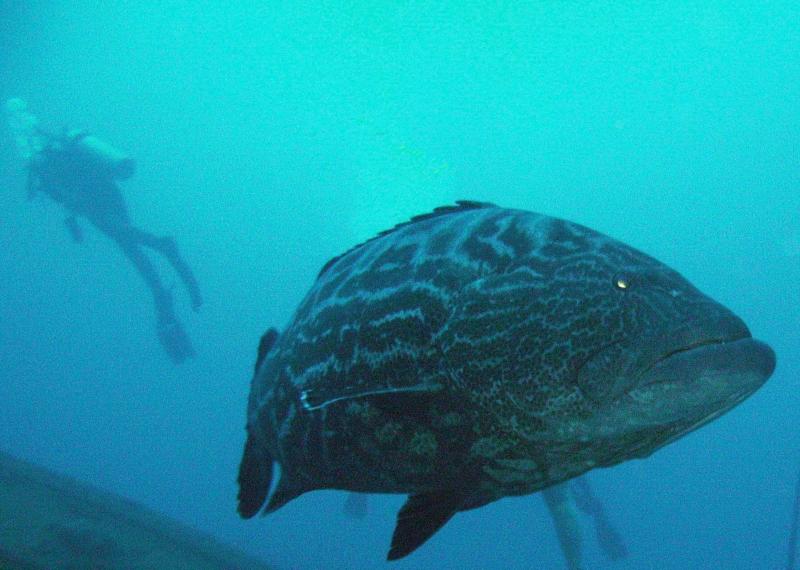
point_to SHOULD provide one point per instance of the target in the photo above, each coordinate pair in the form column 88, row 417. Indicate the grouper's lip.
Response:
column 742, row 358
column 695, row 345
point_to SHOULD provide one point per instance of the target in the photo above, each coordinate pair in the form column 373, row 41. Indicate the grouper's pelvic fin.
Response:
column 420, row 517
column 284, row 492
column 255, row 471
column 255, row 477
column 255, row 480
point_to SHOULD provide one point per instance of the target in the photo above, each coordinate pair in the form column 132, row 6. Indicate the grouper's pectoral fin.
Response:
column 420, row 518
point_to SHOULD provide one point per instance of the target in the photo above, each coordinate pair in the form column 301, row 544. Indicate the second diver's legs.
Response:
column 608, row 537
column 566, row 522
column 173, row 338
column 167, row 247
column 356, row 505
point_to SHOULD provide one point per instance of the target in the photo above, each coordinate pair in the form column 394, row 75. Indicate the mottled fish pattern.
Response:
column 461, row 357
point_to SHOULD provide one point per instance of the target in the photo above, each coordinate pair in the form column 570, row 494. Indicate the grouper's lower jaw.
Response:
column 726, row 366
column 693, row 386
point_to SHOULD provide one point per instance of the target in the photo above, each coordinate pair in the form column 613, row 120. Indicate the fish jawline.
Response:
column 740, row 363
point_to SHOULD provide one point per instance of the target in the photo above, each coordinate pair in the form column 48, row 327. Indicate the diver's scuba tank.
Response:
column 101, row 155
column 96, row 155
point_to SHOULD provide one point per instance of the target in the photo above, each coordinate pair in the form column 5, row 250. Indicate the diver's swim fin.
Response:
column 169, row 249
column 175, row 341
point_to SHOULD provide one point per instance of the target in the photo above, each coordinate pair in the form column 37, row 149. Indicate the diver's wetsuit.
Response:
column 65, row 173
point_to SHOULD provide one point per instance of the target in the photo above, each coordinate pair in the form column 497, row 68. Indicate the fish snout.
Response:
column 721, row 326
column 717, row 344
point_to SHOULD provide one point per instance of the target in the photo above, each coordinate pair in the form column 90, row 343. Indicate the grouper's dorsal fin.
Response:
column 265, row 345
column 460, row 206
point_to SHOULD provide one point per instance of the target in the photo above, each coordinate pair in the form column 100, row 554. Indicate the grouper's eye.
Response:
column 622, row 282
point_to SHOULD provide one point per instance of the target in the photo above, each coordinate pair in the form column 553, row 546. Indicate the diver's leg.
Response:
column 169, row 249
column 566, row 522
column 170, row 332
column 356, row 505
column 608, row 537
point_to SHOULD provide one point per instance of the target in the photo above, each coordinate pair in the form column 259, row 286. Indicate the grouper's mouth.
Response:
column 680, row 351
column 685, row 388
column 699, row 344
column 725, row 365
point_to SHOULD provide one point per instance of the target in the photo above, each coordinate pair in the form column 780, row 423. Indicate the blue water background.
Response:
column 271, row 136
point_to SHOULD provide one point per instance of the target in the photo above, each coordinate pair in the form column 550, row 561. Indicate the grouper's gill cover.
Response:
column 478, row 352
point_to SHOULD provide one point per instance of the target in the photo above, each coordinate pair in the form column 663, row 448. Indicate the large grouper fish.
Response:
column 478, row 352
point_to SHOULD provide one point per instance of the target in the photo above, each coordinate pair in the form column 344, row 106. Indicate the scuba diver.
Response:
column 80, row 172
column 561, row 501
